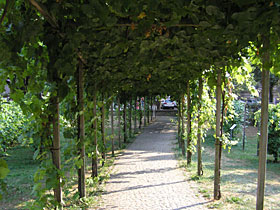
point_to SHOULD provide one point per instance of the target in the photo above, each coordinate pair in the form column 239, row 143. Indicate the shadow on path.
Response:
column 141, row 187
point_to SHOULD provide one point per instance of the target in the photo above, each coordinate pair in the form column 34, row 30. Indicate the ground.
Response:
column 147, row 176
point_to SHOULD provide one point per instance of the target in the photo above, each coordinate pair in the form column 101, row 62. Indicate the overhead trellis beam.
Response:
column 45, row 13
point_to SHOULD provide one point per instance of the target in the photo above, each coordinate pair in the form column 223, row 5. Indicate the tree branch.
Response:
column 45, row 13
column 5, row 11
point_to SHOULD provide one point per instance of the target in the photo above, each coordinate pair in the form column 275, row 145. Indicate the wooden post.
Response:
column 179, row 123
column 94, row 160
column 140, row 113
column 56, row 149
column 124, row 123
column 103, row 132
column 244, row 128
column 189, row 126
column 183, row 126
column 119, row 122
column 135, row 115
column 264, row 125
column 217, row 190
column 199, row 131
column 81, row 133
column 112, row 129
column 148, row 109
column 151, row 107
column 144, row 108
column 130, row 118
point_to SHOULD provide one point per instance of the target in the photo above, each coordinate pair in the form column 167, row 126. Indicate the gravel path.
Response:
column 146, row 176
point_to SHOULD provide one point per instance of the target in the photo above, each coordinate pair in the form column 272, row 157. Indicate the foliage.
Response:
column 273, row 129
column 15, row 127
column 207, row 112
column 235, row 116
column 136, row 48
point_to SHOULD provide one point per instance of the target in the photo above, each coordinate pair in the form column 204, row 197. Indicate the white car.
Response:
column 167, row 104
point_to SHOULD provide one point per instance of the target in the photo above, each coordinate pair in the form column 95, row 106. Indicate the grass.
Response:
column 238, row 176
column 20, row 179
column 23, row 167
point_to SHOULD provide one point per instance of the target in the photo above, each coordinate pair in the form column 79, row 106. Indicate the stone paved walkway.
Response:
column 146, row 176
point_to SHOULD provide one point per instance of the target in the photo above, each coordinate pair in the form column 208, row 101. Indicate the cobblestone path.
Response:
column 146, row 176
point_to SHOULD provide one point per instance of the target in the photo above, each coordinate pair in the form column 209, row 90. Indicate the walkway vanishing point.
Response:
column 147, row 177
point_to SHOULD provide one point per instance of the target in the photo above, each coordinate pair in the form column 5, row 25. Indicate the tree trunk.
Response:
column 103, row 132
column 56, row 149
column 124, row 123
column 112, row 129
column 151, row 108
column 217, row 190
column 94, row 165
column 130, row 118
column 119, row 122
column 144, row 108
column 135, row 115
column 140, row 113
column 264, row 125
column 81, row 133
column 199, row 131
column 183, row 126
column 148, row 110
column 244, row 128
column 179, row 123
column 189, row 126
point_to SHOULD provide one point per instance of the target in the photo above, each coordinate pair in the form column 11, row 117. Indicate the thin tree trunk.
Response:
column 179, row 123
column 130, row 118
column 95, row 149
column 103, row 132
column 145, row 120
column 244, row 128
column 217, row 190
column 264, row 125
column 81, row 133
column 151, row 108
column 199, row 131
column 148, row 110
column 183, row 126
column 189, row 126
column 124, row 123
column 140, row 113
column 119, row 122
column 112, row 129
column 56, row 149
column 135, row 115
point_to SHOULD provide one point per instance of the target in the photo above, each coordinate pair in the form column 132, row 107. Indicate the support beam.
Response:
column 81, row 132
column 264, row 125
column 217, row 174
column 56, row 149
column 94, row 164
column 199, row 130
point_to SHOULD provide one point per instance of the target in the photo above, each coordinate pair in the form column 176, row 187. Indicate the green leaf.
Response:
column 36, row 153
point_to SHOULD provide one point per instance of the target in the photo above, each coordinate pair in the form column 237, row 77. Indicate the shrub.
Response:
column 14, row 126
column 235, row 115
column 273, row 129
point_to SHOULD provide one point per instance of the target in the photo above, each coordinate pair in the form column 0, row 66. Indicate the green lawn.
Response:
column 23, row 167
column 20, row 179
column 238, row 176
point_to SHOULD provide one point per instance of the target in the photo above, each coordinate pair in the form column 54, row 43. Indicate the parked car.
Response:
column 167, row 104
